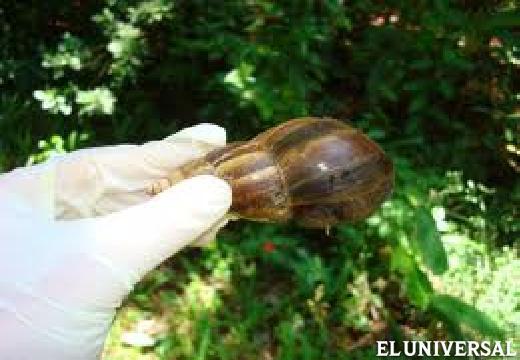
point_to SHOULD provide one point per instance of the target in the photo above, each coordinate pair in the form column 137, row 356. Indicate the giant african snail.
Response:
column 316, row 171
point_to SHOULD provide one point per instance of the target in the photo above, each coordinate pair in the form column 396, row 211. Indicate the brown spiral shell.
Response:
column 316, row 171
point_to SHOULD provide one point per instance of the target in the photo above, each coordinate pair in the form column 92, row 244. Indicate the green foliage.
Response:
column 459, row 312
column 428, row 242
column 436, row 84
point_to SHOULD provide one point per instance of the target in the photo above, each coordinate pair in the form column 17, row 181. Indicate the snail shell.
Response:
column 316, row 171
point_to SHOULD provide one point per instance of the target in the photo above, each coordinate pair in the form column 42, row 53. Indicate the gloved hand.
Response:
column 77, row 232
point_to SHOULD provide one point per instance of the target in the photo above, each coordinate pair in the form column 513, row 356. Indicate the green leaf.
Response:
column 427, row 242
column 421, row 64
column 400, row 261
column 446, row 89
column 418, row 288
column 418, row 103
column 388, row 93
column 460, row 312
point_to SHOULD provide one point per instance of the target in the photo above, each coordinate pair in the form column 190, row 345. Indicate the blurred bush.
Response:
column 435, row 83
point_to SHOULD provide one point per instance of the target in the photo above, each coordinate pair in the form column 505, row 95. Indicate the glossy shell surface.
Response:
column 316, row 171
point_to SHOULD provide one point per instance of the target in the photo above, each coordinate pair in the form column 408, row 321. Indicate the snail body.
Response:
column 316, row 171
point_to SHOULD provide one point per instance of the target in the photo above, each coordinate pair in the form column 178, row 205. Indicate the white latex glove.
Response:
column 77, row 233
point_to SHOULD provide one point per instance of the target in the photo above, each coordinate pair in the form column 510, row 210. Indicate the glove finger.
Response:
column 137, row 239
column 103, row 180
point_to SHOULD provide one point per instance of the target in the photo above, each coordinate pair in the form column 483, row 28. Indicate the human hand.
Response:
column 77, row 232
